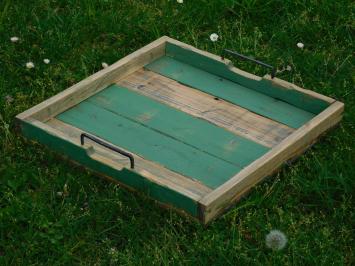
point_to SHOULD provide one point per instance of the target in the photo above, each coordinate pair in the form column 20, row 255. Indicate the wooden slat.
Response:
column 148, row 169
column 234, row 118
column 222, row 197
column 96, row 82
column 149, row 144
column 233, row 92
column 179, row 126
column 305, row 99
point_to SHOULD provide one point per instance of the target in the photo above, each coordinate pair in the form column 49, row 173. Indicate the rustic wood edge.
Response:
column 224, row 196
column 96, row 82
column 89, row 150
column 275, row 81
column 166, row 206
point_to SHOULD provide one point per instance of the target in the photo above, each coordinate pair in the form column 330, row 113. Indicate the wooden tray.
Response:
column 182, row 125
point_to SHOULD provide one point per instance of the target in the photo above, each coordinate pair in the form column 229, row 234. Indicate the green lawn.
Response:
column 95, row 222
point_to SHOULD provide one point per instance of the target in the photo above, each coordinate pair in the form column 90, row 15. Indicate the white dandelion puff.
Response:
column 300, row 45
column 104, row 65
column 30, row 65
column 276, row 240
column 14, row 39
column 180, row 1
column 214, row 37
column 46, row 61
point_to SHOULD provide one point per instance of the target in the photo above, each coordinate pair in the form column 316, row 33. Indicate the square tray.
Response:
column 182, row 125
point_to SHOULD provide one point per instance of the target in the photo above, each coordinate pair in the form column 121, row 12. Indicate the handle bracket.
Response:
column 244, row 57
column 108, row 146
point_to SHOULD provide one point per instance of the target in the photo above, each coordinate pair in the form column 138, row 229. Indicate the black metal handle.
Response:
column 244, row 57
column 108, row 146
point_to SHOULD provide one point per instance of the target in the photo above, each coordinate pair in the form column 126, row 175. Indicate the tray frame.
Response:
column 223, row 197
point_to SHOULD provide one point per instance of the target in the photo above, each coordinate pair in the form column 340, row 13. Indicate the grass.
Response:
column 95, row 222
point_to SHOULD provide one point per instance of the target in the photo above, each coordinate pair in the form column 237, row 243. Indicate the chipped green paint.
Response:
column 294, row 97
column 125, row 176
column 179, row 125
column 223, row 88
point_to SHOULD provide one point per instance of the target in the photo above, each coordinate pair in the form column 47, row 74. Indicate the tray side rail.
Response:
column 224, row 196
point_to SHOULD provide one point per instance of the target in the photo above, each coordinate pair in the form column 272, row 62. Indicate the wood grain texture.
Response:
column 178, row 125
column 231, row 91
column 149, row 144
column 96, row 82
column 234, row 118
column 222, row 197
column 307, row 100
column 148, row 169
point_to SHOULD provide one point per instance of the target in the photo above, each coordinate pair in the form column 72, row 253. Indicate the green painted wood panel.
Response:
column 195, row 132
column 150, row 144
column 294, row 97
column 125, row 176
column 250, row 99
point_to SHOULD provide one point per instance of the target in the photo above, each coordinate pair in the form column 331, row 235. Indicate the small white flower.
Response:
column 14, row 39
column 30, row 65
column 114, row 254
column 46, row 61
column 214, row 37
column 9, row 99
column 104, row 65
column 276, row 240
column 300, row 45
column 288, row 68
column 180, row 1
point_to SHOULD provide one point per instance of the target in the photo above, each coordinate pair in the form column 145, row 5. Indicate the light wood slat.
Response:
column 150, row 170
column 199, row 104
column 222, row 197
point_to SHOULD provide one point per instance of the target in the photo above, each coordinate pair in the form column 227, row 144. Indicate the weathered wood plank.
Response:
column 179, row 126
column 148, row 169
column 245, row 97
column 307, row 100
column 150, row 144
column 222, row 197
column 234, row 118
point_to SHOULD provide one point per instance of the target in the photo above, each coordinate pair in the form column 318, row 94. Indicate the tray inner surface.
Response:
column 206, row 129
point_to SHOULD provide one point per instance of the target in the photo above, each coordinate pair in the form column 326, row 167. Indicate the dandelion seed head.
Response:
column 300, row 45
column 14, row 39
column 214, row 37
column 180, row 1
column 46, row 61
column 276, row 240
column 104, row 65
column 30, row 65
